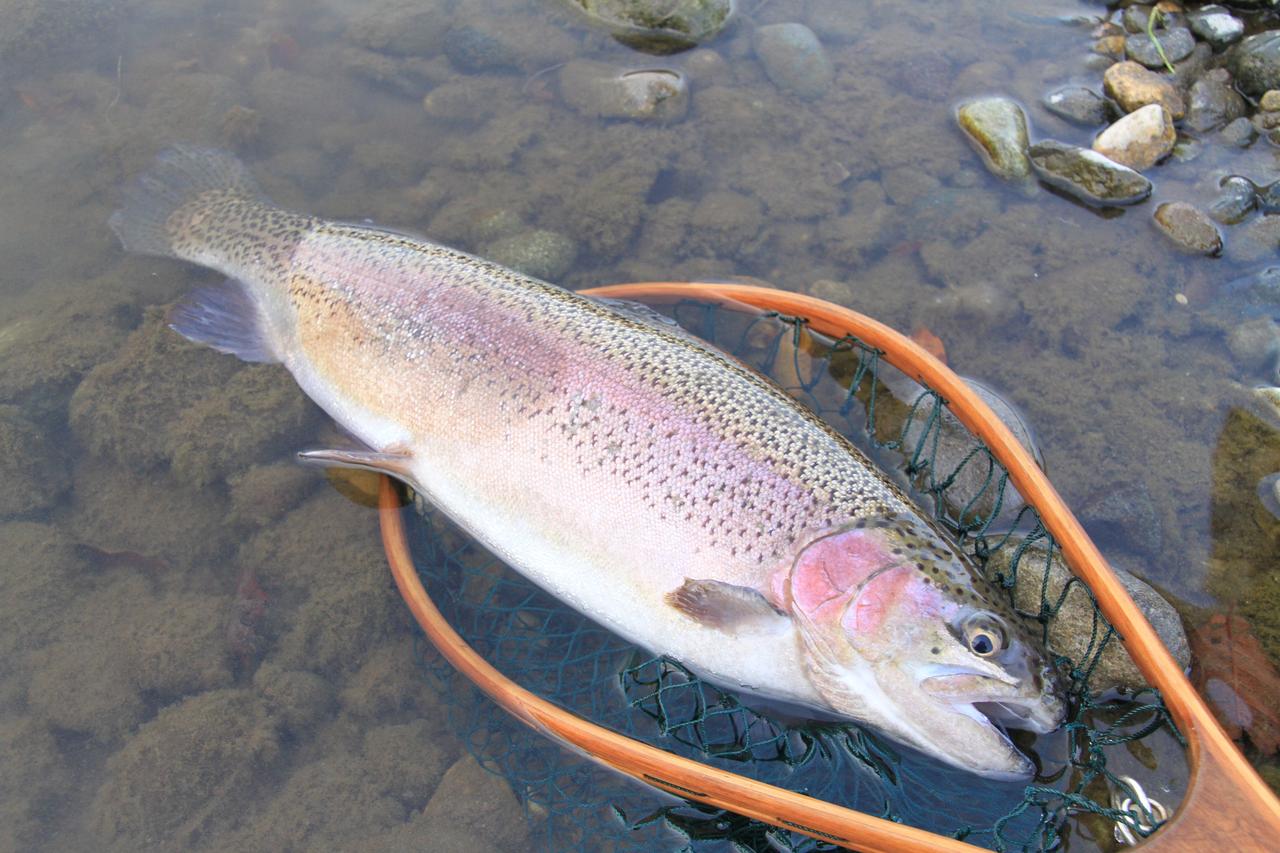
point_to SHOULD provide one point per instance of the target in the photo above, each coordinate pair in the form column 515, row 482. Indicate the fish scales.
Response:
column 653, row 483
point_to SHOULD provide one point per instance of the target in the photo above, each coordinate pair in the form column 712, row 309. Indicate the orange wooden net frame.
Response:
column 1226, row 801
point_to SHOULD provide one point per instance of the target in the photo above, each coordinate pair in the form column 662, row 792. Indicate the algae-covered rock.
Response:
column 119, row 510
column 659, row 26
column 393, row 684
column 263, row 493
column 257, row 414
column 165, row 400
column 33, row 29
column 33, row 474
column 400, row 27
column 41, row 568
column 540, row 253
column 328, row 578
column 81, row 684
column 471, row 809
column 49, row 341
column 1087, row 175
column 1073, row 631
column 187, row 770
column 299, row 699
column 33, row 780
column 997, row 128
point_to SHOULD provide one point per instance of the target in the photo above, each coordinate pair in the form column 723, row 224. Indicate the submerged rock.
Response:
column 1240, row 133
column 1087, row 175
column 1255, row 343
column 794, row 59
column 659, row 26
column 1134, row 87
column 1188, row 228
column 1125, row 516
column 1073, row 630
column 1269, row 493
column 997, row 128
column 1139, row 140
column 1213, row 102
column 597, row 89
column 1255, row 63
column 33, row 474
column 543, row 254
column 1079, row 105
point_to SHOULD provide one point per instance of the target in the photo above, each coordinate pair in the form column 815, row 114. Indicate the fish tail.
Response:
column 183, row 179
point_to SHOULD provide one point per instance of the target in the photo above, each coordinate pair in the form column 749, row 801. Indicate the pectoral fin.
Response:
column 393, row 463
column 721, row 605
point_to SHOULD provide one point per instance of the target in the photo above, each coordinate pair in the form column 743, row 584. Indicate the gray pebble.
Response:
column 1213, row 103
column 1240, row 133
column 1188, row 228
column 1079, row 105
column 794, row 59
column 1216, row 25
column 1255, row 63
column 1236, row 199
column 1125, row 517
column 1177, row 43
column 1255, row 343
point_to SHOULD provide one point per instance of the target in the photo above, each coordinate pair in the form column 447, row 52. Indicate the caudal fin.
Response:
column 179, row 177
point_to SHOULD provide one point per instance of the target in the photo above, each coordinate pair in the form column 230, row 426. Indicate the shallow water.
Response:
column 199, row 644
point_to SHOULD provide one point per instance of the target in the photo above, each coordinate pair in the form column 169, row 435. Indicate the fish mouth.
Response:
column 1000, row 702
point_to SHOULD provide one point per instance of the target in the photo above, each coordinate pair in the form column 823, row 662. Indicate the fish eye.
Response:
column 983, row 635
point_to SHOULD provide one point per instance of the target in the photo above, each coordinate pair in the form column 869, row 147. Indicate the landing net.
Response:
column 572, row 804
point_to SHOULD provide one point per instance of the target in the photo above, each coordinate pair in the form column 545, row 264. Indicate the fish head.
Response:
column 900, row 631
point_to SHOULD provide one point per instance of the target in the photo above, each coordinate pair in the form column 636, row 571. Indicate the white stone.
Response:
column 1140, row 139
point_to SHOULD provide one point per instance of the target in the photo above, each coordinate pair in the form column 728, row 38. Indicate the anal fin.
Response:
column 393, row 462
column 721, row 605
column 226, row 318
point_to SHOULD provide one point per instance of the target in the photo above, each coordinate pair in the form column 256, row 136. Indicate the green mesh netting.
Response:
column 572, row 804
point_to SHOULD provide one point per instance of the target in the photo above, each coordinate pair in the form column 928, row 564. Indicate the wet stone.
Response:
column 1125, row 516
column 543, row 254
column 1269, row 197
column 1240, row 133
column 1087, row 175
column 1255, row 63
column 32, row 469
column 1216, row 25
column 1212, row 102
column 1270, row 101
column 1072, row 632
column 1134, row 87
column 472, row 49
column 997, row 128
column 1139, row 140
column 660, row 26
column 1177, row 44
column 1255, row 343
column 794, row 60
column 594, row 88
column 1079, row 105
column 1236, row 199
column 1188, row 228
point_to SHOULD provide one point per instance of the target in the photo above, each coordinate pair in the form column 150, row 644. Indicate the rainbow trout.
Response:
column 650, row 482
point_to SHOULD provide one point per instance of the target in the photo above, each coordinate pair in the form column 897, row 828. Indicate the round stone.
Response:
column 1133, row 87
column 1236, row 200
column 997, row 128
column 794, row 59
column 1079, row 105
column 1087, row 175
column 1188, row 228
column 1176, row 44
column 1255, row 63
column 1139, row 140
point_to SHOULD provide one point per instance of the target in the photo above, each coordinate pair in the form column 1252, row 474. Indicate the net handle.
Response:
column 1226, row 802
